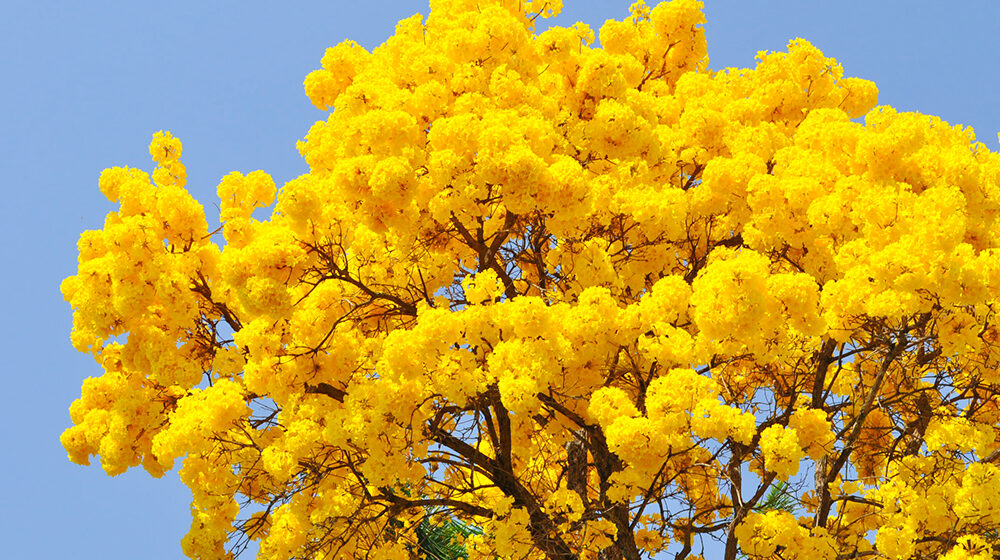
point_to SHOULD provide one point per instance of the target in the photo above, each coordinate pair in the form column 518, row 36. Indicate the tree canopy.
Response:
column 580, row 302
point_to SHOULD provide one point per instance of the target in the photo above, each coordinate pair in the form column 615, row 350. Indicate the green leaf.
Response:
column 437, row 540
column 778, row 498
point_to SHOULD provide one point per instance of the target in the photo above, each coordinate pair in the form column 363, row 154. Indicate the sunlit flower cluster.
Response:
column 570, row 294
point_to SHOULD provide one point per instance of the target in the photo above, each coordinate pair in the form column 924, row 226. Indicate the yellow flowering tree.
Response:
column 597, row 302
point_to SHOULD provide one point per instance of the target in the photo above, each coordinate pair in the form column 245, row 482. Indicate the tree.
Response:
column 598, row 302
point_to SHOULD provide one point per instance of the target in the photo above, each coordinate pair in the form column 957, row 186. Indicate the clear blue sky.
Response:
column 85, row 84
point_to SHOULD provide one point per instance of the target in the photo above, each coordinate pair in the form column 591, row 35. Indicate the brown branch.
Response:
column 486, row 254
column 823, row 510
column 607, row 464
column 500, row 237
column 824, row 357
column 400, row 504
column 201, row 287
column 543, row 530
column 328, row 390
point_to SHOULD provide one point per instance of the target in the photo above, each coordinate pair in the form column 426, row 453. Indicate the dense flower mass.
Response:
column 596, row 301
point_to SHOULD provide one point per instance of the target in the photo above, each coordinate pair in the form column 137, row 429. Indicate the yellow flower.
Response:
column 545, row 279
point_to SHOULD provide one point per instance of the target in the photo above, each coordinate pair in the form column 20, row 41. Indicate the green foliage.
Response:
column 778, row 498
column 438, row 539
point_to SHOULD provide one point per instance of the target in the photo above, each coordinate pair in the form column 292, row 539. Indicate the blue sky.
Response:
column 85, row 84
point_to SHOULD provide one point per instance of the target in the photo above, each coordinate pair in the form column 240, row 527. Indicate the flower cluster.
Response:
column 569, row 294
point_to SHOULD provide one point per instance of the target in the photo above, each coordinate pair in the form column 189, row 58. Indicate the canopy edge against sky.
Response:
column 86, row 85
